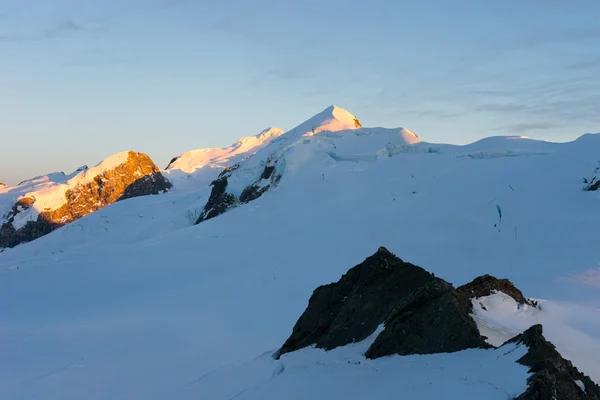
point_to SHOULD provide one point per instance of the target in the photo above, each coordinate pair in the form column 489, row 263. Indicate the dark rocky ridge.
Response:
column 486, row 285
column 422, row 314
column 172, row 161
column 552, row 377
column 138, row 176
column 592, row 183
column 220, row 200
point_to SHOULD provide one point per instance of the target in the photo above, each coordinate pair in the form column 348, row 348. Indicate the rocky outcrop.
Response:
column 552, row 377
column 422, row 314
column 172, row 161
column 220, row 200
column 136, row 176
column 592, row 182
column 2, row 185
column 486, row 285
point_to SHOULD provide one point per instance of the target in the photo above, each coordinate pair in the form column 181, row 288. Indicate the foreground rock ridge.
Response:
column 552, row 377
column 422, row 314
column 136, row 176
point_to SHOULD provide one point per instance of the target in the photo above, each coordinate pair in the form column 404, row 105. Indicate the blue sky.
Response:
column 81, row 79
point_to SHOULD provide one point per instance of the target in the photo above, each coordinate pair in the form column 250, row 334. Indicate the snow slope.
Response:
column 196, row 169
column 134, row 301
column 44, row 183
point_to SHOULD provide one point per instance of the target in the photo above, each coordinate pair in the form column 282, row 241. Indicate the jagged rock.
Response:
column 2, row 184
column 422, row 314
column 592, row 183
column 137, row 176
column 486, row 285
column 552, row 377
column 258, row 188
column 220, row 201
column 172, row 161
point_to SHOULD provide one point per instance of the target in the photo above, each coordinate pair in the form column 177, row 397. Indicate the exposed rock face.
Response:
column 552, row 377
column 593, row 182
column 220, row 200
column 172, row 161
column 2, row 184
column 422, row 314
column 137, row 176
column 486, row 285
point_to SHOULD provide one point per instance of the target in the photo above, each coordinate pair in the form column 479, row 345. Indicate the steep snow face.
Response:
column 221, row 158
column 195, row 169
column 332, row 119
column 198, row 168
column 317, row 138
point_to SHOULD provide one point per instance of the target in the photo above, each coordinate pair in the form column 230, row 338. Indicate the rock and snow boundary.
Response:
column 408, row 311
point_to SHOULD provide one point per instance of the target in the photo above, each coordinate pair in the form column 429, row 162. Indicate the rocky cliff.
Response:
column 126, row 175
column 422, row 314
column 552, row 377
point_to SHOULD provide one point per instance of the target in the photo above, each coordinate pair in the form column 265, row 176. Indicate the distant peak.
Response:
column 332, row 119
column 270, row 132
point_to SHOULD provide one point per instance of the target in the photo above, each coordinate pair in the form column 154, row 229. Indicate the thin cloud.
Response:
column 523, row 127
column 590, row 277
column 63, row 29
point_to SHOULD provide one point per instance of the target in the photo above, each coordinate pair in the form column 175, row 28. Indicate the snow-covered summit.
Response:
column 221, row 157
column 332, row 119
column 196, row 169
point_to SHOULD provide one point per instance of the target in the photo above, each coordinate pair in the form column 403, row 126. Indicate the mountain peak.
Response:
column 266, row 134
column 331, row 119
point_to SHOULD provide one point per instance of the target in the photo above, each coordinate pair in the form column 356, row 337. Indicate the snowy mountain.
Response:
column 40, row 205
column 136, row 300
column 196, row 169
